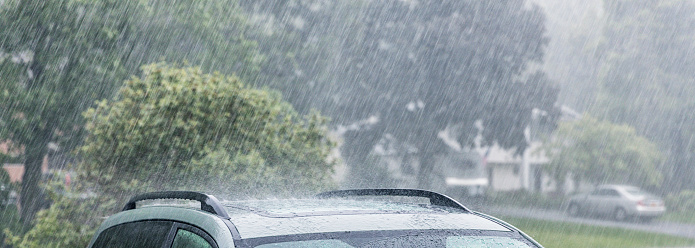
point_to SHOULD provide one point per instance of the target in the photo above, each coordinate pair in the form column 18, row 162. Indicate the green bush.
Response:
column 9, row 222
column 176, row 129
column 681, row 202
column 67, row 223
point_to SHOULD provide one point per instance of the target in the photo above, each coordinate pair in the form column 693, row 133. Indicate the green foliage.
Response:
column 422, row 70
column 9, row 216
column 69, row 222
column 646, row 79
column 602, row 152
column 58, row 56
column 454, row 62
column 9, row 222
column 180, row 128
column 683, row 202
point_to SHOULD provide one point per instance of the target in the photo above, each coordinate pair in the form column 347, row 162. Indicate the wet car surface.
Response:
column 331, row 219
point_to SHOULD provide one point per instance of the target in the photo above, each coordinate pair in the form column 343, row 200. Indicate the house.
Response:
column 509, row 171
column 16, row 171
column 52, row 162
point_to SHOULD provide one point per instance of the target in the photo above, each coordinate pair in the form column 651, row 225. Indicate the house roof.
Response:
column 499, row 155
column 16, row 172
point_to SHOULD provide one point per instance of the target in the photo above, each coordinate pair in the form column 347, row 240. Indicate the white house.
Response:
column 509, row 171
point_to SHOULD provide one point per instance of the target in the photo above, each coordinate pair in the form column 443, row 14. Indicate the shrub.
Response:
column 681, row 202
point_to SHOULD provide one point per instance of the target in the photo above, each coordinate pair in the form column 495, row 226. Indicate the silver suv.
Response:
column 347, row 218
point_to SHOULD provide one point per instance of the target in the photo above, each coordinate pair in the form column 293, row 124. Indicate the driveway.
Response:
column 656, row 226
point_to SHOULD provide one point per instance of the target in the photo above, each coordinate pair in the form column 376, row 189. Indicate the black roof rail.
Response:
column 208, row 203
column 435, row 198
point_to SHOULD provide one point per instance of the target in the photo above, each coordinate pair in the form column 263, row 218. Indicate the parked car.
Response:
column 621, row 202
column 347, row 218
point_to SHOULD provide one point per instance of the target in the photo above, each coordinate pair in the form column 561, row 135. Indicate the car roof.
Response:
column 289, row 217
column 329, row 212
column 617, row 186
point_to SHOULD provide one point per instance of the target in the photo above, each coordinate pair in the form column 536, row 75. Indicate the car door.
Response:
column 609, row 201
column 592, row 201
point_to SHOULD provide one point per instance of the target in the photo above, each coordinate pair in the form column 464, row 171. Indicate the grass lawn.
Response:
column 679, row 217
column 567, row 235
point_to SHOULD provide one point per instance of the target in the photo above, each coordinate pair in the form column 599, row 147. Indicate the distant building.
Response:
column 16, row 171
column 51, row 161
column 509, row 171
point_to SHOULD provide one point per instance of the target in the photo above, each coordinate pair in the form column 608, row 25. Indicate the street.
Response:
column 656, row 226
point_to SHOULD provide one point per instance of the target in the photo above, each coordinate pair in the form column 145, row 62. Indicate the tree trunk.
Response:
column 32, row 198
column 358, row 144
column 425, row 172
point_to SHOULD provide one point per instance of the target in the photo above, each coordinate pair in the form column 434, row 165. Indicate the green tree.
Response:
column 602, row 152
column 423, row 69
column 178, row 128
column 572, row 58
column 58, row 56
column 417, row 69
column 646, row 79
column 206, row 132
column 46, row 49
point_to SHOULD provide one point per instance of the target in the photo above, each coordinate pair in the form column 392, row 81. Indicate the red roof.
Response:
column 16, row 171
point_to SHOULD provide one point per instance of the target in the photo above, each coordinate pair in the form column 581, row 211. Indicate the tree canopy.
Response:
column 174, row 128
column 179, row 128
column 57, row 57
column 601, row 152
column 421, row 70
column 646, row 79
column 408, row 71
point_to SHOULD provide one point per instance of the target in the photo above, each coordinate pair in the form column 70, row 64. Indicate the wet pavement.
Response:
column 656, row 226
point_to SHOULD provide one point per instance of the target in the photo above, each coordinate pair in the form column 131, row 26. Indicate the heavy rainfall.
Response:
column 518, row 108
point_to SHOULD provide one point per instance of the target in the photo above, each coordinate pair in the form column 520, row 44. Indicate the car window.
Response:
column 188, row 239
column 606, row 192
column 135, row 234
column 638, row 192
column 612, row 193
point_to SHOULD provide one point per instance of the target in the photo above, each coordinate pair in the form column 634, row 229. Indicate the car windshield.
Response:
column 420, row 238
